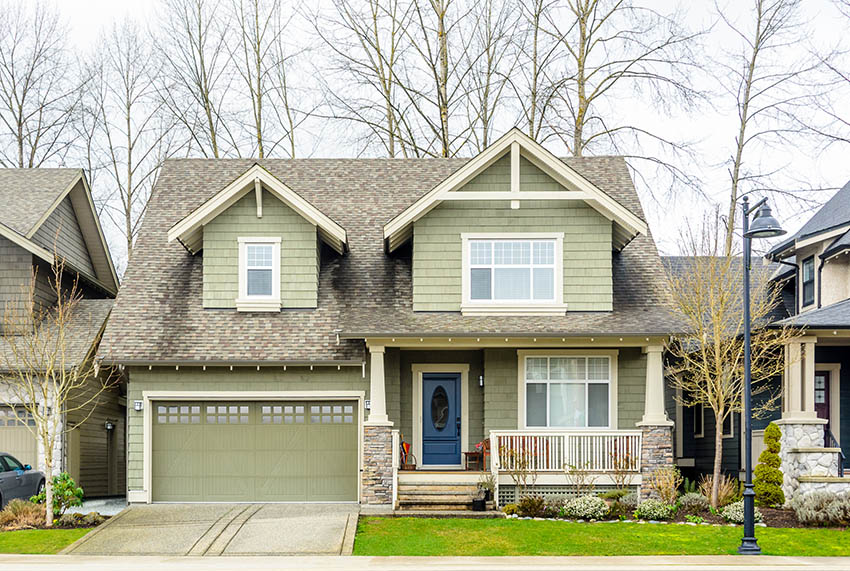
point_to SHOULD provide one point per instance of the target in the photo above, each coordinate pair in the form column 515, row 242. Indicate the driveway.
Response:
column 225, row 529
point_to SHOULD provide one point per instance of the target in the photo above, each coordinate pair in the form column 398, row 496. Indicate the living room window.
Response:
column 808, row 279
column 568, row 391
column 513, row 270
column 259, row 274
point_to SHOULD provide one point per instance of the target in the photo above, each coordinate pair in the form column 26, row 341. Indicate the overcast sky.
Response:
column 711, row 127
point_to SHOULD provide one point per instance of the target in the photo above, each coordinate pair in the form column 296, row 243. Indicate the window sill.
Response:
column 258, row 305
column 503, row 310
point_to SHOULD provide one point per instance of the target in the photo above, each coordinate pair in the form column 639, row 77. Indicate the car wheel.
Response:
column 40, row 488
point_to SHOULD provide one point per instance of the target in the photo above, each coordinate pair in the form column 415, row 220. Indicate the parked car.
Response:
column 18, row 480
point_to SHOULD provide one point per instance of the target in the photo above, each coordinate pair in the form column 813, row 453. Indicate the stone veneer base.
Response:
column 802, row 454
column 376, row 480
column 656, row 452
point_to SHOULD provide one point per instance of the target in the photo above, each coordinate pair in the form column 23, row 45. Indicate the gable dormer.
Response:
column 515, row 231
column 261, row 245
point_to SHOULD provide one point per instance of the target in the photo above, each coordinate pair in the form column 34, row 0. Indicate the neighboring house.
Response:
column 816, row 396
column 48, row 214
column 284, row 323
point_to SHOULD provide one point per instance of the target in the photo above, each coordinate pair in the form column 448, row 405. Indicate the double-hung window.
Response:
column 808, row 280
column 568, row 391
column 259, row 274
column 517, row 271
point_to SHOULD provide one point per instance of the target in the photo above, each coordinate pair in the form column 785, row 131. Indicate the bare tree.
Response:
column 707, row 359
column 193, row 48
column 769, row 87
column 42, row 377
column 134, row 133
column 39, row 89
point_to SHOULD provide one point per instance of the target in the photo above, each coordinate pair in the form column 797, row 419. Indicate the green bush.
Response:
column 822, row 508
column 531, row 506
column 66, row 494
column 629, row 502
column 689, row 486
column 768, row 477
column 586, row 507
column 734, row 513
column 614, row 494
column 653, row 509
column 693, row 503
column 510, row 509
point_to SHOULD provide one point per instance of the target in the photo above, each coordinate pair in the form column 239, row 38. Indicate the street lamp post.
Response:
column 764, row 226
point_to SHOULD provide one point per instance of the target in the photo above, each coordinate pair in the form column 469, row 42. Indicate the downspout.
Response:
column 820, row 281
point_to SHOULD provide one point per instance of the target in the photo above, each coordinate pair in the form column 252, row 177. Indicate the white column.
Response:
column 793, row 381
column 799, row 387
column 377, row 390
column 809, row 381
column 654, row 413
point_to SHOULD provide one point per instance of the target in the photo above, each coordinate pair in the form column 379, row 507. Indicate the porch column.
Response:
column 809, row 380
column 799, row 389
column 377, row 389
column 654, row 413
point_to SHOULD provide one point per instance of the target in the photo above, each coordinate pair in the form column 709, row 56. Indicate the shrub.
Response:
column 689, row 486
column 822, row 508
column 654, row 509
column 586, row 507
column 768, row 476
column 92, row 519
column 68, row 520
column 692, row 503
column 727, row 492
column 531, row 506
column 629, row 501
column 66, row 494
column 21, row 514
column 694, row 519
column 613, row 494
column 665, row 482
column 734, row 513
column 510, row 509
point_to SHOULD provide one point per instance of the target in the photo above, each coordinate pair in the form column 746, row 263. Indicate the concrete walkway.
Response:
column 205, row 530
column 666, row 563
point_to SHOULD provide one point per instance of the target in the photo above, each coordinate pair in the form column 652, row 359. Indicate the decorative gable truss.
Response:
column 190, row 230
column 627, row 225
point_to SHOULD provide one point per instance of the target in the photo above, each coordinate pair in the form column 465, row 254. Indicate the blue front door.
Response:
column 441, row 419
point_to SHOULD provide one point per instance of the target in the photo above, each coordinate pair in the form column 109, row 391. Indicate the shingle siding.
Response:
column 298, row 252
column 500, row 389
column 16, row 265
column 62, row 228
column 631, row 387
column 437, row 273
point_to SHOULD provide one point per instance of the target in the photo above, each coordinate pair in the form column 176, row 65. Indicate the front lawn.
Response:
column 414, row 536
column 45, row 541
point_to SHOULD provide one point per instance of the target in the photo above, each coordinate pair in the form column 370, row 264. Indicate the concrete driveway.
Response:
column 225, row 529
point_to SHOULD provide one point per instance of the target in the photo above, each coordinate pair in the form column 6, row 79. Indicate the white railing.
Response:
column 551, row 451
column 396, row 462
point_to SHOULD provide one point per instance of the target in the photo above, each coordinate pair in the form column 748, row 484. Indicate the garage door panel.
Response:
column 256, row 451
column 16, row 438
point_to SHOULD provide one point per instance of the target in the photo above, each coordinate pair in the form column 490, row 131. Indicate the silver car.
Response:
column 18, row 480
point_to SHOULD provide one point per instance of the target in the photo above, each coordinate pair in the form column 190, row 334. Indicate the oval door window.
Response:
column 439, row 408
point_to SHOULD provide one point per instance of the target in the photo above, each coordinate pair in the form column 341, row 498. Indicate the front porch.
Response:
column 549, row 414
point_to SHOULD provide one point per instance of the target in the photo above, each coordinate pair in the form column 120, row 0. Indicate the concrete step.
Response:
column 421, row 492
column 438, row 488
column 435, row 513
column 442, row 499
column 434, row 507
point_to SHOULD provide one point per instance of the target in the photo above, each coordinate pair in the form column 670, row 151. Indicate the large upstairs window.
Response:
column 259, row 274
column 808, row 280
column 515, row 271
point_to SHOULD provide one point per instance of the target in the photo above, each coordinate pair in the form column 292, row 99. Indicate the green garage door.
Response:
column 15, row 438
column 255, row 451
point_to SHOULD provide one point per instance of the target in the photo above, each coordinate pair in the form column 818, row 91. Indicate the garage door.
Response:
column 15, row 438
column 255, row 451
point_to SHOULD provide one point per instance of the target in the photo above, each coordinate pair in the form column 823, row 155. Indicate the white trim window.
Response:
column 699, row 420
column 568, row 391
column 259, row 274
column 513, row 272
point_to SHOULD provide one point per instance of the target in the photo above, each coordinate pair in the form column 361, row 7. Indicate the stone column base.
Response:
column 802, row 454
column 656, row 452
column 376, row 480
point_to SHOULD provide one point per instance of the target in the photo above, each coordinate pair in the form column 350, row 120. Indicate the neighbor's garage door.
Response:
column 15, row 438
column 255, row 451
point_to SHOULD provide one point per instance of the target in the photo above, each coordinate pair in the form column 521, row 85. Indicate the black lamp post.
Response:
column 764, row 226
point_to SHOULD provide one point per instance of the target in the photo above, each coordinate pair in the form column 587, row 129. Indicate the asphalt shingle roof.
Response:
column 159, row 316
column 26, row 194
column 836, row 316
column 835, row 212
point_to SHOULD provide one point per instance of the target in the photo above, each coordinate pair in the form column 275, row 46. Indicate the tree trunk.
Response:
column 718, row 458
column 48, row 493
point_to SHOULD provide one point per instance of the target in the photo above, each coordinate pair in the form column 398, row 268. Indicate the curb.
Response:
column 350, row 532
column 70, row 549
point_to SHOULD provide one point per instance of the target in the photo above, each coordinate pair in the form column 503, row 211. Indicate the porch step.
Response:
column 489, row 514
column 438, row 505
column 438, row 487
column 435, row 498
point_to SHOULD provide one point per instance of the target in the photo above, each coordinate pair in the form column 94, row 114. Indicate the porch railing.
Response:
column 550, row 451
column 832, row 442
column 396, row 462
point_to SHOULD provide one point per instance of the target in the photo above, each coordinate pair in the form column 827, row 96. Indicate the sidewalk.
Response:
column 703, row 563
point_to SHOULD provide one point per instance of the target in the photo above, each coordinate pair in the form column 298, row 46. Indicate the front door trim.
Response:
column 834, row 370
column 148, row 397
column 420, row 368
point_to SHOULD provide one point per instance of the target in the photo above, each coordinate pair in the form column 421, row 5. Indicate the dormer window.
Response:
column 513, row 273
column 808, row 280
column 259, row 274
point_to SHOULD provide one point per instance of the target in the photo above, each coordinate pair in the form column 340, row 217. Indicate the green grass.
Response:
column 39, row 540
column 413, row 536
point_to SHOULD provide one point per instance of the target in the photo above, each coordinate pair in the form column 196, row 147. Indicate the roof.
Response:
column 28, row 194
column 834, row 214
column 158, row 314
column 835, row 316
column 840, row 244
column 82, row 332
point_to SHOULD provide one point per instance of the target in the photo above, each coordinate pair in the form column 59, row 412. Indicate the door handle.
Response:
column 457, row 424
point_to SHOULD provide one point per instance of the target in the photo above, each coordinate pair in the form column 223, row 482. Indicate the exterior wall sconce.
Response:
column 109, row 425
column 137, row 405
column 480, row 380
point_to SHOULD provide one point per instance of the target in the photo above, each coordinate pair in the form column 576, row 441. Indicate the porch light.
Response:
column 137, row 405
column 108, row 425
column 480, row 380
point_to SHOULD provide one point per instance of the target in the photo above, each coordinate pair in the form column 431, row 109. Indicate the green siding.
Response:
column 500, row 389
column 222, row 379
column 587, row 240
column 631, row 387
column 298, row 252
column 62, row 230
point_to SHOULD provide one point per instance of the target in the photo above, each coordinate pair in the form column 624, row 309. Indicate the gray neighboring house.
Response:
column 48, row 214
column 294, row 321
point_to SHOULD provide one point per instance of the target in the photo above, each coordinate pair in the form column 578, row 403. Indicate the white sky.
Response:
column 714, row 129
